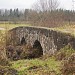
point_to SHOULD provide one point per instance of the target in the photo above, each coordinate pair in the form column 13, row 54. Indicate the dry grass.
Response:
column 69, row 29
column 65, row 29
column 10, row 26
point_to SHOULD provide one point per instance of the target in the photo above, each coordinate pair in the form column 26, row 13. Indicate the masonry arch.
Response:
column 38, row 47
column 23, row 41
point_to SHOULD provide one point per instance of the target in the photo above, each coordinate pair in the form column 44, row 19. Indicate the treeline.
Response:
column 42, row 18
column 13, row 15
column 53, row 18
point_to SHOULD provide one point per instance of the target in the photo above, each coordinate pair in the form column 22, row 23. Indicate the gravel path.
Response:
column 2, row 29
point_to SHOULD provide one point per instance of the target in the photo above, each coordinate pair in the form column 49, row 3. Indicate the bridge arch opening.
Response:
column 38, row 47
column 23, row 41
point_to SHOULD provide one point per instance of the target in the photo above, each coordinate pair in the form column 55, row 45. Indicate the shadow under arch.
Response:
column 23, row 41
column 37, row 46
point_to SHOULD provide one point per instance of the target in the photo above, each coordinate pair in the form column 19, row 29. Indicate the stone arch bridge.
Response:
column 50, row 40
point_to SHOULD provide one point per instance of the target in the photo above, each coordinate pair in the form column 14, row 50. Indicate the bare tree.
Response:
column 45, row 9
column 45, row 5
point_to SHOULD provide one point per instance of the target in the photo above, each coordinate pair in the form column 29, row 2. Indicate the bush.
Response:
column 27, row 52
column 22, row 52
column 10, row 51
column 7, row 71
column 3, row 57
column 69, row 65
column 4, row 62
column 13, row 52
column 60, row 55
column 64, row 53
column 30, row 52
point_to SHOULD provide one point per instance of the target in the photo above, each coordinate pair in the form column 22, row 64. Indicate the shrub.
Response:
column 22, row 52
column 7, row 71
column 27, row 52
column 3, row 57
column 30, row 52
column 64, row 52
column 4, row 62
column 69, row 65
column 13, row 52
column 60, row 55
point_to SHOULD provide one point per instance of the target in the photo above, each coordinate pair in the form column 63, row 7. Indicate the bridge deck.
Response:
column 65, row 29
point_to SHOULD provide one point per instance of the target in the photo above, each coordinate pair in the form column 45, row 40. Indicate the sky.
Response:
column 22, row 4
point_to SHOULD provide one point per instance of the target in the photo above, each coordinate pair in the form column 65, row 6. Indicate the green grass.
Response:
column 23, row 66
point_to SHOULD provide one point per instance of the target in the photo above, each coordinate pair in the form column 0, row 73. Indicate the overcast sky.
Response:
column 21, row 4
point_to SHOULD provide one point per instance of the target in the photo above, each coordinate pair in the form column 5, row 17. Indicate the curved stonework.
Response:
column 50, row 40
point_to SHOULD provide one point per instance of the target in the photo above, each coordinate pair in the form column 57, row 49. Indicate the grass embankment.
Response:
column 37, row 66
column 44, row 65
